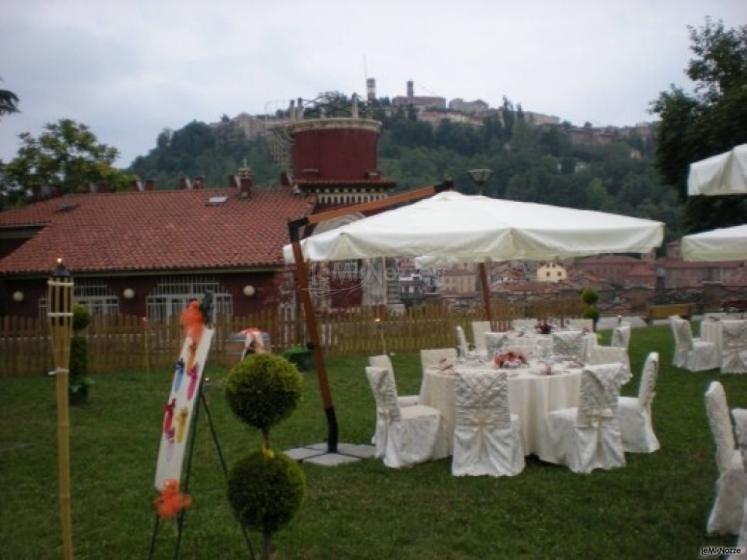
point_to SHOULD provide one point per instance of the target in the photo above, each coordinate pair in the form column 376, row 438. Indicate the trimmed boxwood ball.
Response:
column 81, row 317
column 265, row 492
column 263, row 389
column 589, row 296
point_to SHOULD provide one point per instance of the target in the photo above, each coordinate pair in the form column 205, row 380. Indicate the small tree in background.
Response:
column 79, row 380
column 590, row 297
column 265, row 488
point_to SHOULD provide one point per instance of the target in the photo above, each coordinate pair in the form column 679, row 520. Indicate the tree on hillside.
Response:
column 711, row 120
column 8, row 102
column 67, row 155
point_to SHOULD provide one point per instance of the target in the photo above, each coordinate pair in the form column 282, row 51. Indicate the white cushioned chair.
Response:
column 580, row 324
column 734, row 350
column 384, row 361
column 731, row 486
column 634, row 413
column 568, row 345
column 404, row 435
column 479, row 328
column 487, row 437
column 494, row 342
column 740, row 422
column 607, row 355
column 588, row 437
column 621, row 336
column 462, row 345
column 691, row 353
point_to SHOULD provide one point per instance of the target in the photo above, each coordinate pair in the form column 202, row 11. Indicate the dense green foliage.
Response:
column 263, row 389
column 529, row 163
column 79, row 380
column 707, row 122
column 589, row 296
column 265, row 492
column 67, row 155
column 8, row 102
column 198, row 150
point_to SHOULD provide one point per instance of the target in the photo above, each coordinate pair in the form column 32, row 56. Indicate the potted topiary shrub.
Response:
column 79, row 379
column 590, row 297
column 265, row 488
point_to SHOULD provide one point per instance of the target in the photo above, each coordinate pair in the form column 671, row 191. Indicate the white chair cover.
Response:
column 634, row 414
column 568, row 345
column 731, row 486
column 588, row 437
column 734, row 351
column 479, row 328
column 740, row 422
column 487, row 437
column 462, row 345
column 384, row 361
column 691, row 353
column 621, row 336
column 607, row 355
column 404, row 436
column 494, row 342
column 523, row 324
column 580, row 324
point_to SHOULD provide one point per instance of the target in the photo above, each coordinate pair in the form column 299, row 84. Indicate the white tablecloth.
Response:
column 531, row 396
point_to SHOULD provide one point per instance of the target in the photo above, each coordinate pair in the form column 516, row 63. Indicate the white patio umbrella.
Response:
column 450, row 227
column 724, row 244
column 721, row 174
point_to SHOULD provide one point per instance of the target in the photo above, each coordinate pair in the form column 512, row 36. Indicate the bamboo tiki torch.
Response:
column 60, row 316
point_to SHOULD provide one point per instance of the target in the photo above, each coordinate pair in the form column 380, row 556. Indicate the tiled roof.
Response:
column 155, row 230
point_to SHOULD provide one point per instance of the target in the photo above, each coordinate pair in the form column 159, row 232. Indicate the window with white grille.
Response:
column 173, row 294
column 95, row 295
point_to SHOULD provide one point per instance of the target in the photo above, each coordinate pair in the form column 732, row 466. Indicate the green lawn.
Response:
column 656, row 507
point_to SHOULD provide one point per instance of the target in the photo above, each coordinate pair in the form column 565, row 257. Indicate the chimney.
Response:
column 354, row 108
column 199, row 183
column 150, row 185
column 245, row 186
column 299, row 109
column 184, row 184
column 233, row 181
column 103, row 187
column 371, row 89
column 92, row 188
column 410, row 89
column 136, row 185
column 292, row 110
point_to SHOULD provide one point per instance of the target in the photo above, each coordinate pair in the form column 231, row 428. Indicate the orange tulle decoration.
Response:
column 171, row 501
column 193, row 322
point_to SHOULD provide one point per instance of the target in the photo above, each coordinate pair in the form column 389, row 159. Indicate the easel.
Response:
column 201, row 403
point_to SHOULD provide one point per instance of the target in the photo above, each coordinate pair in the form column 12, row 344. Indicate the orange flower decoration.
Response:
column 193, row 322
column 171, row 501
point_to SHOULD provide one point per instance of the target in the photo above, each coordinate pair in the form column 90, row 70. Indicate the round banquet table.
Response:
column 531, row 396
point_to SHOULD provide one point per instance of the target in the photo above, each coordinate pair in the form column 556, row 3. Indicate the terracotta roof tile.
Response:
column 156, row 230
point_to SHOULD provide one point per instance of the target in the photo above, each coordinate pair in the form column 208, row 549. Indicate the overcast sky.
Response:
column 130, row 69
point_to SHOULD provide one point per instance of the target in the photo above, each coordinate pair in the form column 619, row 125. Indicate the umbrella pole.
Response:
column 302, row 288
column 486, row 295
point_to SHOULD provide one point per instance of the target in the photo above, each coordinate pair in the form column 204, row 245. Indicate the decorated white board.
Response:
column 180, row 406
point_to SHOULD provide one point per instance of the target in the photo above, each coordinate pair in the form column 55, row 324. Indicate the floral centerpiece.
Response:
column 543, row 328
column 510, row 360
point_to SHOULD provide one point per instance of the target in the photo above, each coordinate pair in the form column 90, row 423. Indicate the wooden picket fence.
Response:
column 128, row 342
